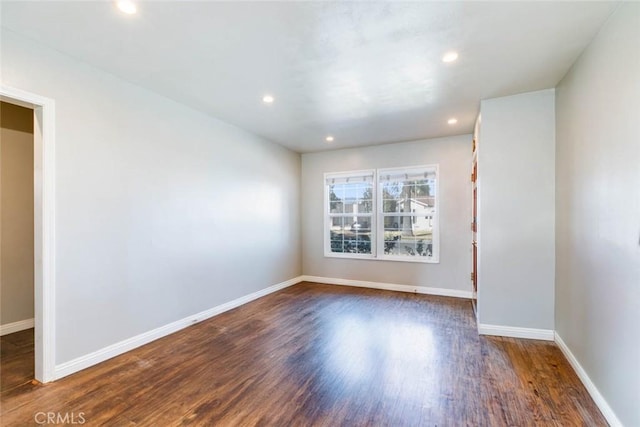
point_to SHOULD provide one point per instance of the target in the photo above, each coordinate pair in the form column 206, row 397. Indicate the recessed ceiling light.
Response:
column 450, row 57
column 452, row 121
column 329, row 138
column 268, row 99
column 127, row 6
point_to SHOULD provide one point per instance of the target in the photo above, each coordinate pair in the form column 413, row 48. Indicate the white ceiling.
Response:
column 367, row 73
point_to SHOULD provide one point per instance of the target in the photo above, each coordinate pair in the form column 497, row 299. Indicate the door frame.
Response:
column 44, row 225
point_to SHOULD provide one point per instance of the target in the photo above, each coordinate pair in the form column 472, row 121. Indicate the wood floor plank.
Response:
column 320, row 355
column 16, row 359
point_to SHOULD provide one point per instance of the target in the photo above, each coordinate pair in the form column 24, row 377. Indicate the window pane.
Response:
column 349, row 236
column 336, row 207
column 336, row 197
column 336, row 223
column 408, row 236
column 392, row 194
column 414, row 196
column 355, row 197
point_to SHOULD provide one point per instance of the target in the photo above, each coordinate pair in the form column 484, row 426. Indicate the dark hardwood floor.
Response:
column 16, row 359
column 327, row 356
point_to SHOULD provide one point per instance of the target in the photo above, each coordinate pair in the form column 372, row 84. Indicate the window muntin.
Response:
column 389, row 215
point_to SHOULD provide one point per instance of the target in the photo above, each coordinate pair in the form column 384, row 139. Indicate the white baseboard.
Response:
column 600, row 401
column 129, row 344
column 515, row 332
column 390, row 287
column 18, row 326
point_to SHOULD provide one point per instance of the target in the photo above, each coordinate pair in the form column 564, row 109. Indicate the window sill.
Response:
column 349, row 256
column 420, row 260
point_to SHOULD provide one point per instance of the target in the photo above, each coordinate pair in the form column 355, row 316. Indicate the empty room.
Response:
column 319, row 213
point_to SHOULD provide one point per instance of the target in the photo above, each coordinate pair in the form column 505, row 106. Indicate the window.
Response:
column 407, row 228
column 349, row 207
column 388, row 214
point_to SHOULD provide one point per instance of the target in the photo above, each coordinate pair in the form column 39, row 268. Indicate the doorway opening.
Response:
column 27, row 237
column 17, row 229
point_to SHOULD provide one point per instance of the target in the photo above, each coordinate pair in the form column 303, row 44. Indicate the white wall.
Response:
column 16, row 214
column 516, row 231
column 162, row 212
column 453, row 154
column 598, row 212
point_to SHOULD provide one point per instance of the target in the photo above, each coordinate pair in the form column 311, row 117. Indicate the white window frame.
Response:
column 327, row 215
column 435, row 239
column 377, row 216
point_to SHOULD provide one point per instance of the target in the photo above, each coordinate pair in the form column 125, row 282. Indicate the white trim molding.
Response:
column 18, row 326
column 456, row 293
column 83, row 362
column 129, row 344
column 515, row 332
column 44, row 134
column 597, row 397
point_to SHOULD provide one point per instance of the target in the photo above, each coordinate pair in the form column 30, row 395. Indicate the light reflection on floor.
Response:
column 382, row 353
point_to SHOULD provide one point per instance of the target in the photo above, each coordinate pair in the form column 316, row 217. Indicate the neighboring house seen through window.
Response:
column 388, row 214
